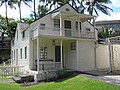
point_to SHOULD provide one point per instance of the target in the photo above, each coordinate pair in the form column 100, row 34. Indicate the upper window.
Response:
column 25, row 52
column 14, row 54
column 56, row 23
column 87, row 29
column 23, row 34
column 73, row 45
column 67, row 9
column 76, row 25
column 42, row 26
column 21, row 53
column 43, row 52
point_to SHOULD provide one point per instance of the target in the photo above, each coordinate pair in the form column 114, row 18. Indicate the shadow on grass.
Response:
column 67, row 76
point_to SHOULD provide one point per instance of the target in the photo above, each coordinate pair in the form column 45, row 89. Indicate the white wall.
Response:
column 102, row 56
column 116, row 57
column 20, row 42
column 86, row 55
column 70, row 56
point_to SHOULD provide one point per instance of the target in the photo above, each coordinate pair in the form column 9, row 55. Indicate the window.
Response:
column 67, row 9
column 25, row 52
column 73, row 45
column 87, row 29
column 56, row 23
column 43, row 52
column 42, row 26
column 23, row 34
column 76, row 25
column 14, row 54
column 21, row 53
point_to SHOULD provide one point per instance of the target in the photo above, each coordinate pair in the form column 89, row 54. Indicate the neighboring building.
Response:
column 61, row 39
column 114, row 24
column 5, row 48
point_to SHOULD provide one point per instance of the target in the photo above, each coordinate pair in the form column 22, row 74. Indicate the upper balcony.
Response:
column 49, row 31
column 65, row 24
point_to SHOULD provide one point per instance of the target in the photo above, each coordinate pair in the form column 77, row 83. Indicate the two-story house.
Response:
column 62, row 38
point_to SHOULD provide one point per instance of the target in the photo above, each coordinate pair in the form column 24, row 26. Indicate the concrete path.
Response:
column 114, row 79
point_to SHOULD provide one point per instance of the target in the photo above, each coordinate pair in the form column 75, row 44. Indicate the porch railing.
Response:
column 66, row 32
column 7, row 71
column 50, row 66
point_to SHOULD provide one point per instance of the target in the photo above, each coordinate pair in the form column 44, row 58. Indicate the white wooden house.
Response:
column 61, row 39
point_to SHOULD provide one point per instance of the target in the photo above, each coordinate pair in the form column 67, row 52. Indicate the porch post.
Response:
column 38, row 53
column 61, row 31
column 79, row 25
column 61, row 49
column 94, row 27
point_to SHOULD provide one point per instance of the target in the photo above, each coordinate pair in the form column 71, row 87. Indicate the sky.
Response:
column 14, row 13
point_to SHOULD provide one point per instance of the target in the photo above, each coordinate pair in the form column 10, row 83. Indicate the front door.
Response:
column 67, row 26
column 58, row 54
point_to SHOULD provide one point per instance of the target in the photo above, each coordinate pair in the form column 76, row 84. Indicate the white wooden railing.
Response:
column 7, row 71
column 65, row 32
column 50, row 66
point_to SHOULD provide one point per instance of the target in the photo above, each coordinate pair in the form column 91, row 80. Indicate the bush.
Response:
column 61, row 73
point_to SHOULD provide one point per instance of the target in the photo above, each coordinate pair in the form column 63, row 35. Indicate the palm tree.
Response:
column 7, row 3
column 35, row 10
column 19, row 5
column 42, row 10
column 55, row 3
column 94, row 5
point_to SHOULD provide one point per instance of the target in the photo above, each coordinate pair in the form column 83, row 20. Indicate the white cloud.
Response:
column 114, row 16
column 14, row 13
column 115, row 3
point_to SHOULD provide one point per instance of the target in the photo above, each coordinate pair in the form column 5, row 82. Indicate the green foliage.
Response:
column 104, row 33
column 61, row 73
column 27, row 20
column 4, row 29
column 17, row 73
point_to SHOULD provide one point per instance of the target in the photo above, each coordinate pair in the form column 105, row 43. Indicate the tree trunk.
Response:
column 19, row 6
column 8, row 29
column 34, row 10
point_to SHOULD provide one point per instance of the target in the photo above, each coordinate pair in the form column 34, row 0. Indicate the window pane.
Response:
column 42, row 26
column 56, row 23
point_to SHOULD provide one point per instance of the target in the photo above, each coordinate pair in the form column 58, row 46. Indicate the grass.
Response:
column 75, row 83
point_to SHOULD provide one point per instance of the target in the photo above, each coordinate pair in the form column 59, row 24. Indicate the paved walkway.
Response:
column 114, row 79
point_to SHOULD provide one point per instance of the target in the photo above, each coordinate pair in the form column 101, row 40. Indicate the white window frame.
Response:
column 57, row 23
column 42, row 26
column 43, row 52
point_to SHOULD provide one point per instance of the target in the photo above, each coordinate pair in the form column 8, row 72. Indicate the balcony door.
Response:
column 67, row 26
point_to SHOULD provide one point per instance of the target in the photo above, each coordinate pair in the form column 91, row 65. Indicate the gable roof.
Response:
column 58, row 9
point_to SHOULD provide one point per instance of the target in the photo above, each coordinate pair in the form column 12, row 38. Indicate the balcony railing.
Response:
column 49, row 66
column 65, row 32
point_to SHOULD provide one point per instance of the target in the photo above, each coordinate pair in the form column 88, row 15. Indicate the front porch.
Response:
column 52, row 54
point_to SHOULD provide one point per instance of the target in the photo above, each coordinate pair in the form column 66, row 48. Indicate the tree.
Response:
column 42, row 10
column 7, row 3
column 94, row 5
column 27, row 20
column 19, row 5
column 5, row 34
column 105, row 33
column 55, row 3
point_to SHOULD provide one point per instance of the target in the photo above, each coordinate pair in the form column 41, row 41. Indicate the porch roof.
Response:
column 65, row 14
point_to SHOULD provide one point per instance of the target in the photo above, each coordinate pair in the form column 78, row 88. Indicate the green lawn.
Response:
column 75, row 83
